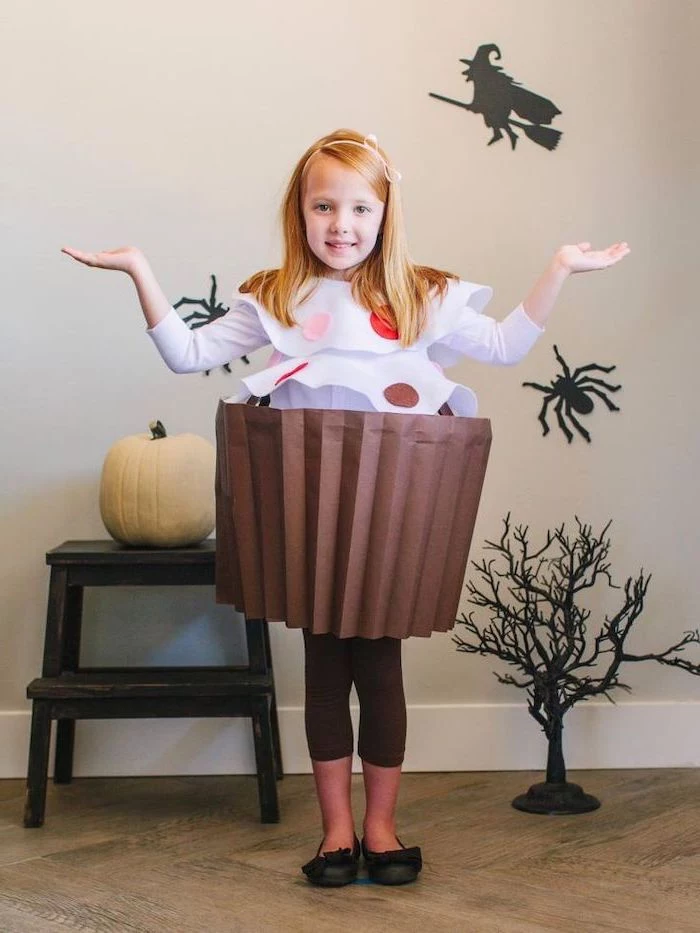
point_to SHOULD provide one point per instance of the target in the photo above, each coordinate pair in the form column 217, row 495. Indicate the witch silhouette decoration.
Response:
column 497, row 96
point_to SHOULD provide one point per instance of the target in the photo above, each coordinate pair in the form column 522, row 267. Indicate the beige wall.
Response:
column 175, row 128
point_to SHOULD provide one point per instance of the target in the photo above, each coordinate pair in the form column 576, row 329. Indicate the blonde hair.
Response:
column 386, row 282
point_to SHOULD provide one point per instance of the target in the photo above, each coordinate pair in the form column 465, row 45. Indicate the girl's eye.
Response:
column 322, row 207
column 362, row 209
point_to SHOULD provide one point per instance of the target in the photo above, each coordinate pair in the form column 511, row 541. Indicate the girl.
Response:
column 355, row 325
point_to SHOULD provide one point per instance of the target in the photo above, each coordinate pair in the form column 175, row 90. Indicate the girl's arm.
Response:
column 229, row 337
column 506, row 342
column 131, row 260
column 567, row 261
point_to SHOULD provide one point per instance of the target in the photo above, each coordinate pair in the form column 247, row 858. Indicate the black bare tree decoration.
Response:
column 496, row 95
column 213, row 309
column 538, row 627
column 572, row 392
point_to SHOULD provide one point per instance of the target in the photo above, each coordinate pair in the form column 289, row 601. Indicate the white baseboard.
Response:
column 471, row 737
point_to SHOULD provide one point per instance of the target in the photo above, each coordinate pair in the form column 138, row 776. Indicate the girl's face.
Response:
column 342, row 215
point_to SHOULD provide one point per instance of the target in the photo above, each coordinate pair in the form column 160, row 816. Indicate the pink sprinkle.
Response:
column 317, row 326
column 437, row 366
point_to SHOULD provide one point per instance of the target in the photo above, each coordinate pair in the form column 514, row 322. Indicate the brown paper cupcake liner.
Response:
column 355, row 523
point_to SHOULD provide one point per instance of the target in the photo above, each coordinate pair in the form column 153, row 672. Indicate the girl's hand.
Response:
column 125, row 259
column 581, row 258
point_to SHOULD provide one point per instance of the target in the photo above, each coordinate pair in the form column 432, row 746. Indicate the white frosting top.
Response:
column 338, row 355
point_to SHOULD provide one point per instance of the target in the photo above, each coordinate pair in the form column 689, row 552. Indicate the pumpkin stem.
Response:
column 157, row 430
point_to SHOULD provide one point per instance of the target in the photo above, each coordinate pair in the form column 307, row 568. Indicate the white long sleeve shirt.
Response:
column 337, row 355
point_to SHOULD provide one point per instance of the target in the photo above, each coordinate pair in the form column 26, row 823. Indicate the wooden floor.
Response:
column 174, row 855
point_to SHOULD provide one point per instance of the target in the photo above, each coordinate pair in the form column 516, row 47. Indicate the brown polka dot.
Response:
column 402, row 395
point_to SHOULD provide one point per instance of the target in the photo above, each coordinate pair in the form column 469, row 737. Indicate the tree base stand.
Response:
column 554, row 799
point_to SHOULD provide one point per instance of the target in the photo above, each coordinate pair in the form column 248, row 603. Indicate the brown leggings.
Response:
column 332, row 664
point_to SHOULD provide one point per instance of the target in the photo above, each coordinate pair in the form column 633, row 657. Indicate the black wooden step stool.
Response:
column 66, row 691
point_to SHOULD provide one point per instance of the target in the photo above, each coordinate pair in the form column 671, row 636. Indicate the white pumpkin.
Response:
column 158, row 491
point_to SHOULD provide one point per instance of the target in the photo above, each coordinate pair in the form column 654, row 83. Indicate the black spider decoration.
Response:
column 213, row 309
column 573, row 391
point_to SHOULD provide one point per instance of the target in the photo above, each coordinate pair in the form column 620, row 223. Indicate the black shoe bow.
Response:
column 411, row 856
column 334, row 868
column 396, row 866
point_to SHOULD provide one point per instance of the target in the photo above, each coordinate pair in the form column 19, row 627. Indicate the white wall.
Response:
column 175, row 128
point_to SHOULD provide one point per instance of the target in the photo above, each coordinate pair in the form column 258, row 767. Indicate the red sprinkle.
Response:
column 291, row 373
column 382, row 328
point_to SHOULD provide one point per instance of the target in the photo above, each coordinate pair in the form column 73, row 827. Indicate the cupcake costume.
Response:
column 347, row 506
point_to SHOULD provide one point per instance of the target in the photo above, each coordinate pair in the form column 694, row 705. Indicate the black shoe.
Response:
column 333, row 869
column 398, row 866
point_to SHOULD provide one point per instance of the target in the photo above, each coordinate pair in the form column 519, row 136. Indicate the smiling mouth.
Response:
column 339, row 246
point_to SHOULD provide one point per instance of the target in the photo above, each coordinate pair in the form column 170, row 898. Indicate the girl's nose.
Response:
column 341, row 223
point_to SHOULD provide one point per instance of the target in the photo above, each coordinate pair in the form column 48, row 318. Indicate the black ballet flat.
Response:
column 397, row 866
column 334, row 869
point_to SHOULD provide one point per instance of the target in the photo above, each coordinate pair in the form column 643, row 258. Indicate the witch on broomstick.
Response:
column 497, row 95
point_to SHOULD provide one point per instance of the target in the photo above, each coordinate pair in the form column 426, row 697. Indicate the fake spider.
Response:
column 212, row 311
column 573, row 391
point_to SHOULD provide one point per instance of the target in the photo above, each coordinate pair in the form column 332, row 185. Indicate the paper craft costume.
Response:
column 347, row 505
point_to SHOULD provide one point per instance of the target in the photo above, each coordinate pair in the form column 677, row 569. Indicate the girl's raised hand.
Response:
column 124, row 259
column 581, row 258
